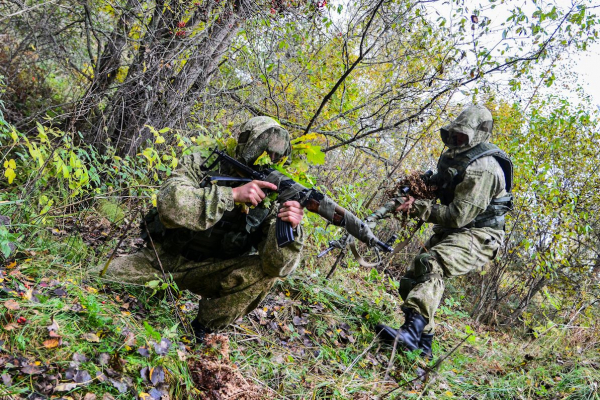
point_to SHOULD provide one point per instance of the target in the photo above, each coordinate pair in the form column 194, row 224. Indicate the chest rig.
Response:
column 235, row 234
column 451, row 172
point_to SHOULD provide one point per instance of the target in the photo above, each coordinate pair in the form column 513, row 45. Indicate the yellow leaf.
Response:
column 159, row 139
column 309, row 136
column 10, row 174
column 12, row 164
column 51, row 343
column 91, row 337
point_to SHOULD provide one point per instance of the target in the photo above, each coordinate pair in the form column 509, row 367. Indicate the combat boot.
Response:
column 200, row 331
column 425, row 346
column 409, row 334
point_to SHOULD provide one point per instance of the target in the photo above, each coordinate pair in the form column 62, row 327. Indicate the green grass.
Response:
column 311, row 338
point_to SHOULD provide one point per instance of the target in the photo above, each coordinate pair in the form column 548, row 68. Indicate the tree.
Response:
column 369, row 69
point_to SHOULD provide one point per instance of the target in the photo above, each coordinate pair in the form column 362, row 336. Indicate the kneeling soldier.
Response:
column 209, row 244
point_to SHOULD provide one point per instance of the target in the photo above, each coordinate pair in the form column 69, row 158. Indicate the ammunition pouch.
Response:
column 493, row 216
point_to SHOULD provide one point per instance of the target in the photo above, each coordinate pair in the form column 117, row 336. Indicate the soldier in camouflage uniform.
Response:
column 474, row 180
column 207, row 242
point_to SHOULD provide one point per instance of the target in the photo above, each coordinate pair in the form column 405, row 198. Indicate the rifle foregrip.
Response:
column 284, row 232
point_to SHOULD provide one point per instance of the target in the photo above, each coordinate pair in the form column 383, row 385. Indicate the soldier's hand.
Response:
column 292, row 212
column 252, row 192
column 407, row 205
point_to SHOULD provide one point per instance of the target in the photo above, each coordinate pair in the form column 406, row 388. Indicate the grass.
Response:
column 311, row 339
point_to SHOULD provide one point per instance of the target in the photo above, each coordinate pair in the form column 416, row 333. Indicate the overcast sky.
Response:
column 587, row 67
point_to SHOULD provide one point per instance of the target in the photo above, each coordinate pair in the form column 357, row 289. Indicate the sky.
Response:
column 587, row 67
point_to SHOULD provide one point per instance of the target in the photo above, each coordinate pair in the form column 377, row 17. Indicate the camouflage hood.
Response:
column 260, row 134
column 476, row 122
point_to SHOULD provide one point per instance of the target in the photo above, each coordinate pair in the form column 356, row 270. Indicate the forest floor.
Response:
column 65, row 334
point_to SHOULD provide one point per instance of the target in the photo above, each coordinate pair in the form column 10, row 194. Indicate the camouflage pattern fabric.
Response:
column 484, row 180
column 454, row 253
column 229, row 288
column 260, row 134
column 476, row 122
column 457, row 250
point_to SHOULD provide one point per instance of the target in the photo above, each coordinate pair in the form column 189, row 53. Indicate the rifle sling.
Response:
column 361, row 260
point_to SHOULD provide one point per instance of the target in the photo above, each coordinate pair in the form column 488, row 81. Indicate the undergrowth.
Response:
column 311, row 338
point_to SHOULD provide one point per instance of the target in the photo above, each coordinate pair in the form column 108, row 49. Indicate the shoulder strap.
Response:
column 485, row 150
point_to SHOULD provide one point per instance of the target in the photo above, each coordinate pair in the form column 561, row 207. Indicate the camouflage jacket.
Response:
column 483, row 181
column 189, row 203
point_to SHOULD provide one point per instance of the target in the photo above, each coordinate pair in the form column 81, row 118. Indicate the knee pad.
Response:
column 421, row 273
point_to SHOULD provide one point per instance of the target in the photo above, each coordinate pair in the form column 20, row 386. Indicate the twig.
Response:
column 386, row 377
column 353, row 363
column 169, row 291
column 123, row 235
column 428, row 370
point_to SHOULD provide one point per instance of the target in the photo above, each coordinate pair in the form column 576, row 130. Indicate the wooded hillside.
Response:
column 100, row 100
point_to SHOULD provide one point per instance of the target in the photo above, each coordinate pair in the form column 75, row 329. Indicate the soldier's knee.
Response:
column 424, row 269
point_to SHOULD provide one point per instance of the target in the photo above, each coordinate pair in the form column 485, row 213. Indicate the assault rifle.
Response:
column 346, row 241
column 311, row 199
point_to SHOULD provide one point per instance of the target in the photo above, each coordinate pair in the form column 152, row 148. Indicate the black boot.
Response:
column 200, row 331
column 425, row 346
column 409, row 334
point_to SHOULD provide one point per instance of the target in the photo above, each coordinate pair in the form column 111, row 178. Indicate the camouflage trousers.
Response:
column 454, row 253
column 230, row 288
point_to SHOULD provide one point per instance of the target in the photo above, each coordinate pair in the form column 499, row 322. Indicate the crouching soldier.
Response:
column 474, row 180
column 204, row 239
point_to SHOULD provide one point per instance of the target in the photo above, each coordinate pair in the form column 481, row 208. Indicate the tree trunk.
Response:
column 105, row 71
column 158, row 93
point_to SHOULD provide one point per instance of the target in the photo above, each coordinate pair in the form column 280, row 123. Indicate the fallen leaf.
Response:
column 100, row 377
column 12, row 305
column 103, row 358
column 130, row 339
column 144, row 352
column 65, row 387
column 156, row 394
column 51, row 343
column 144, row 396
column 121, row 386
column 107, row 396
column 77, row 358
column 89, row 396
column 31, row 370
column 82, row 376
column 70, row 373
column 157, row 375
column 91, row 337
column 163, row 347
column 6, row 380
column 144, row 373
column 10, row 327
column 53, row 327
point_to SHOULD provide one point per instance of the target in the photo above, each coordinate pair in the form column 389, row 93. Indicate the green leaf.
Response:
column 151, row 331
